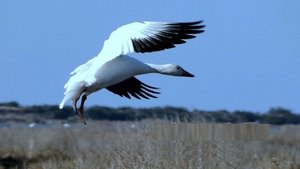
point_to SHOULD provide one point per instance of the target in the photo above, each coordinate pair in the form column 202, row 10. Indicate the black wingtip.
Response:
column 187, row 23
column 132, row 87
column 173, row 34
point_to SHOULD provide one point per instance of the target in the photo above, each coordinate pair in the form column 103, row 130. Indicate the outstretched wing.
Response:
column 143, row 37
column 133, row 87
column 151, row 36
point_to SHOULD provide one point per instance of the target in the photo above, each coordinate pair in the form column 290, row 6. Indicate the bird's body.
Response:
column 119, row 69
column 114, row 70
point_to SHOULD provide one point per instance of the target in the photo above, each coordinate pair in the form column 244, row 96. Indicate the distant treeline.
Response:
column 275, row 116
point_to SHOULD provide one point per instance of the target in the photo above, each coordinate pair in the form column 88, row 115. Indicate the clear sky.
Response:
column 248, row 58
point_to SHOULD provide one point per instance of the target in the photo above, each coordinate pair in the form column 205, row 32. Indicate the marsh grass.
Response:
column 152, row 144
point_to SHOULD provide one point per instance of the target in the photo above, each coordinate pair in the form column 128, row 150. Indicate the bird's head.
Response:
column 175, row 70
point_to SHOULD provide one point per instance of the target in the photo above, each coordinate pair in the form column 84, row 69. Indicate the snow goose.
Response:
column 114, row 70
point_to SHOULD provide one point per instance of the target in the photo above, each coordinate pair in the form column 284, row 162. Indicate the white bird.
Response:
column 114, row 70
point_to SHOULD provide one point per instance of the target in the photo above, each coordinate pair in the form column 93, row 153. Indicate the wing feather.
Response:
column 148, row 36
column 133, row 87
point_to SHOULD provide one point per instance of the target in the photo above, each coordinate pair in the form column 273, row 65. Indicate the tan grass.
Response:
column 153, row 144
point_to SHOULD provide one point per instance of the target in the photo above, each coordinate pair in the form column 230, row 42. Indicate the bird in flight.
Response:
column 115, row 71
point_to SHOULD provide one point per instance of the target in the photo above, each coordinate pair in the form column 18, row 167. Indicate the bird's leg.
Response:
column 75, row 108
column 75, row 104
column 81, row 108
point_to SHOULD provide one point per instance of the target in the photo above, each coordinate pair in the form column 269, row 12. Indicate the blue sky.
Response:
column 248, row 58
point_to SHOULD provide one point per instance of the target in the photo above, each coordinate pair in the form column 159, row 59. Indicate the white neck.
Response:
column 158, row 68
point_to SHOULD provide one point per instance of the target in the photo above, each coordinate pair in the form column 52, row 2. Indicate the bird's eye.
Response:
column 177, row 67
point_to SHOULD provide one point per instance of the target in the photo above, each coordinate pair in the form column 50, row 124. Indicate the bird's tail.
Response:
column 62, row 103
column 73, row 92
column 77, row 82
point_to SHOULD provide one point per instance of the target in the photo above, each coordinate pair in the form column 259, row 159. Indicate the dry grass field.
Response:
column 151, row 145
